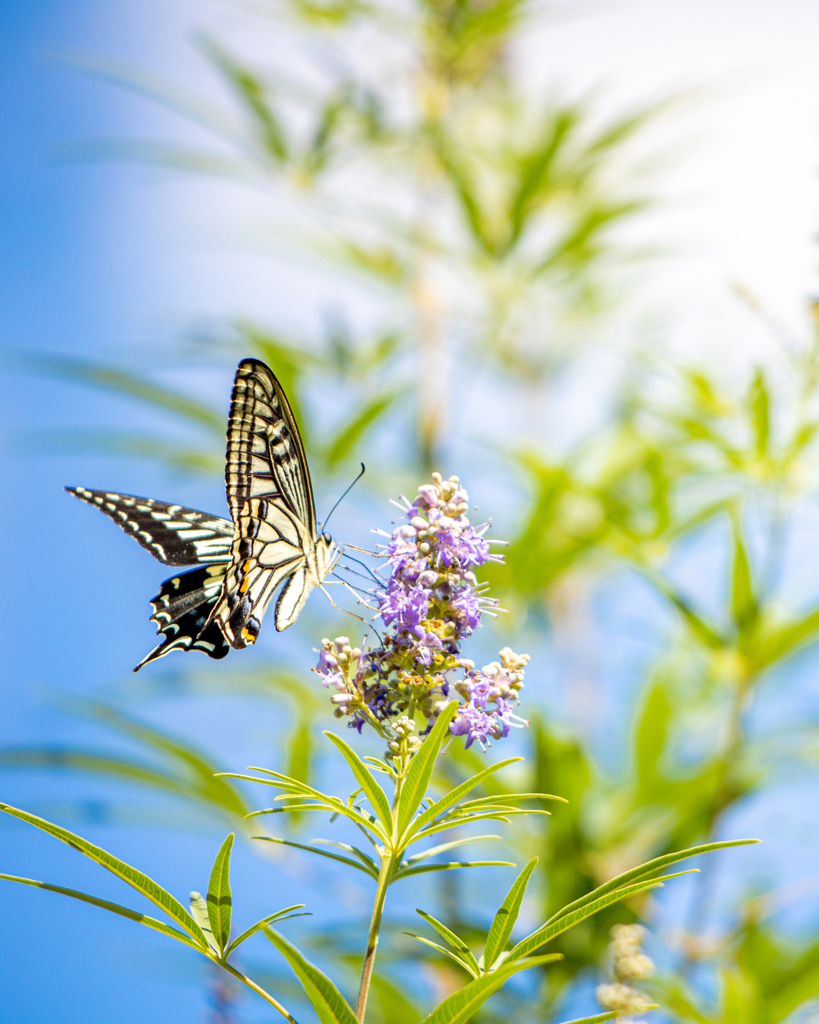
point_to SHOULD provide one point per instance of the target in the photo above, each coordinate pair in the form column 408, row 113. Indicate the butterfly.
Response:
column 271, row 539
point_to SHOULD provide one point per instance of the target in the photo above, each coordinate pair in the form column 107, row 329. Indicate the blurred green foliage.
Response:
column 487, row 218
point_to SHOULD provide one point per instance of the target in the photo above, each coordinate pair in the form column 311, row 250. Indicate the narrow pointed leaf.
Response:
column 743, row 600
column 446, row 952
column 365, row 778
column 419, row 772
column 455, row 795
column 136, row 879
column 435, row 850
column 257, row 927
column 454, row 940
column 330, row 1005
column 115, row 908
column 219, row 895
column 462, row 1005
column 548, row 931
column 199, row 912
column 452, row 865
column 321, row 853
column 363, row 857
column 644, row 870
column 506, row 916
column 611, row 1015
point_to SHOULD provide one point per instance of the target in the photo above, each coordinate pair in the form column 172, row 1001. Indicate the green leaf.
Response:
column 115, row 908
column 649, row 868
column 219, row 895
column 296, row 789
column 443, row 847
column 393, row 1004
column 563, row 922
column 447, row 952
column 452, row 865
column 330, row 1006
column 363, row 857
column 419, row 773
column 743, row 600
column 454, row 940
column 611, row 1015
column 506, row 916
column 759, row 404
column 342, row 444
column 364, row 777
column 199, row 912
column 321, row 853
column 455, row 795
column 280, row 915
column 205, row 782
column 271, row 135
column 127, row 383
column 144, row 885
column 463, row 1004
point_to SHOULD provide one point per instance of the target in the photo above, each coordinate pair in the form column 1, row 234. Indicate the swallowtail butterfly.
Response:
column 272, row 538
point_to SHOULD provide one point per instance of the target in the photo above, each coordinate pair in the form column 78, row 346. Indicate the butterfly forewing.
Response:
column 173, row 534
column 271, row 500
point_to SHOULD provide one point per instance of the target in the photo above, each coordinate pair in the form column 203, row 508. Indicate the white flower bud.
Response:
column 341, row 642
column 406, row 531
column 418, row 523
column 424, row 548
column 341, row 698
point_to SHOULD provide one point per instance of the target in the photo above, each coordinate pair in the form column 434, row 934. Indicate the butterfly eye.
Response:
column 327, row 538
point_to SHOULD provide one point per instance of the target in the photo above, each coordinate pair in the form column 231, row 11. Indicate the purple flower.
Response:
column 407, row 608
column 328, row 669
column 473, row 723
column 423, row 651
column 504, row 714
column 471, row 547
column 401, row 550
column 481, row 690
column 466, row 603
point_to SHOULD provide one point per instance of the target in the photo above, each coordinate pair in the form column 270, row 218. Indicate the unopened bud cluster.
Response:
column 629, row 964
column 430, row 603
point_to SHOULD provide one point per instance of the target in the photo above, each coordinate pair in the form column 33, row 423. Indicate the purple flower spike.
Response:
column 431, row 602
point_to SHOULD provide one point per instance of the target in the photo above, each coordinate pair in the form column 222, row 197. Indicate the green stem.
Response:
column 258, row 990
column 372, row 937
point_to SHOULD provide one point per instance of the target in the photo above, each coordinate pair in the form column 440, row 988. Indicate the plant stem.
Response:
column 258, row 990
column 372, row 937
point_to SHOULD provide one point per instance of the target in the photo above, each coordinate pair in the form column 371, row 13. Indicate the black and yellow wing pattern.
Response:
column 240, row 563
column 271, row 501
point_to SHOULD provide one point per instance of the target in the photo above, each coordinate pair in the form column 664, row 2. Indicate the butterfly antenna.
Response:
column 343, row 496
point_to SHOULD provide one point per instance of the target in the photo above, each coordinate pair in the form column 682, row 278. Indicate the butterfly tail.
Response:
column 182, row 612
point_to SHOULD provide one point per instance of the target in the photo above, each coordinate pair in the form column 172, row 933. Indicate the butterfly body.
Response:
column 271, row 539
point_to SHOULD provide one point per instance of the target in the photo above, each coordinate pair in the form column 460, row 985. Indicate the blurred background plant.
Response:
column 485, row 230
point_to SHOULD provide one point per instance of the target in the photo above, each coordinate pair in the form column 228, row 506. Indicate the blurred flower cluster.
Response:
column 629, row 964
column 430, row 603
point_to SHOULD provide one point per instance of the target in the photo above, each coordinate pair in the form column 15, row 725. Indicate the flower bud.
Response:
column 341, row 698
column 424, row 548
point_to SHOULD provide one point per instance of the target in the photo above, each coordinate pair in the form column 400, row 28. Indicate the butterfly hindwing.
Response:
column 181, row 612
column 173, row 534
